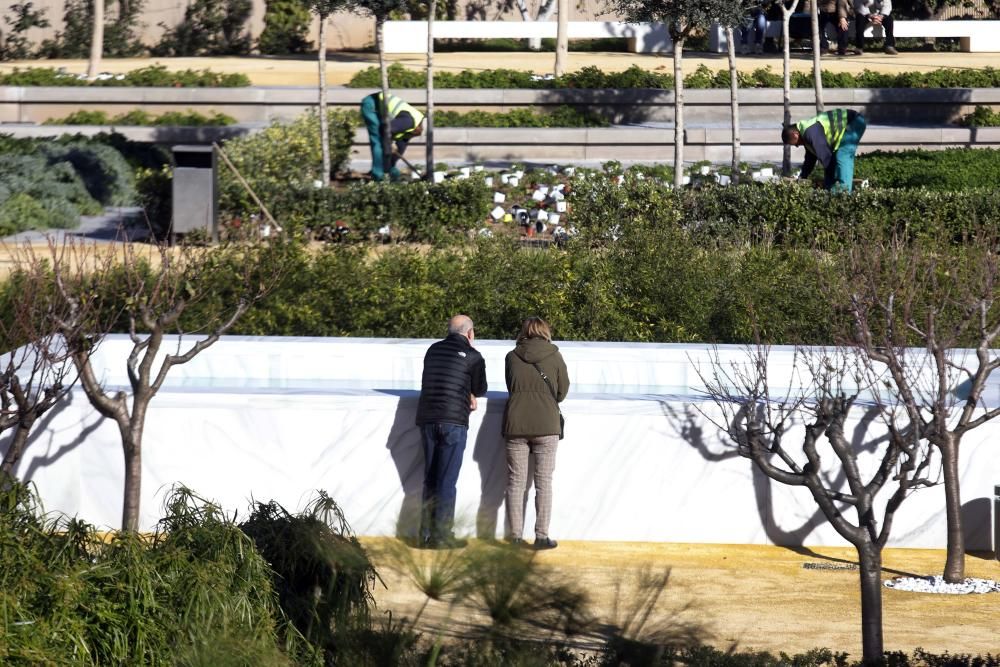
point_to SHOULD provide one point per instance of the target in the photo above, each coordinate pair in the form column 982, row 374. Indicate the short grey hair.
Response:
column 460, row 324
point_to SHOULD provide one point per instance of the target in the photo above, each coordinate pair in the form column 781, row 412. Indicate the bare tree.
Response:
column 817, row 52
column 734, row 102
column 152, row 292
column 682, row 17
column 788, row 8
column 429, row 117
column 322, row 9
column 928, row 313
column 824, row 390
column 36, row 374
column 96, row 41
column 562, row 38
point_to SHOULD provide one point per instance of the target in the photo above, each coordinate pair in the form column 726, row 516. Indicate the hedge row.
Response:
column 154, row 76
column 702, row 77
column 51, row 183
column 653, row 284
column 601, row 203
column 143, row 117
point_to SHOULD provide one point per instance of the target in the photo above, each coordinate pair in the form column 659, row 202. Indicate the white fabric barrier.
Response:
column 276, row 418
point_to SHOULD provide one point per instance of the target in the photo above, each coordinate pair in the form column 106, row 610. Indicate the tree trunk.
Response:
column 429, row 121
column 678, row 113
column 734, row 100
column 562, row 38
column 786, row 61
column 954, row 566
column 132, row 447
column 382, row 108
column 817, row 54
column 17, row 446
column 324, row 122
column 870, row 562
column 96, row 41
column 544, row 14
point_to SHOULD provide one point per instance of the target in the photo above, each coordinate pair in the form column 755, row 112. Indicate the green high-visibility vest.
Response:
column 834, row 125
column 396, row 106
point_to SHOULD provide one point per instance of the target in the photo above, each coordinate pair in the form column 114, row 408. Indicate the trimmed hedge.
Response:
column 702, row 77
column 143, row 117
column 51, row 183
column 154, row 76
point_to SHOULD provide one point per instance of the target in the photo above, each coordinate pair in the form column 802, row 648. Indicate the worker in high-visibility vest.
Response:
column 405, row 122
column 830, row 138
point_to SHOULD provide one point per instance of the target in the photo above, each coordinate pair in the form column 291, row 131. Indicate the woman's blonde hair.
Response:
column 535, row 327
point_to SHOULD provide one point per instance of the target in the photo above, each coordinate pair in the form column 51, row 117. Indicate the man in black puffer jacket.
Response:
column 454, row 375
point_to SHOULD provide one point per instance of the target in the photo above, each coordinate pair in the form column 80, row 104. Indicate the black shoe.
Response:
column 544, row 543
column 891, row 50
column 515, row 541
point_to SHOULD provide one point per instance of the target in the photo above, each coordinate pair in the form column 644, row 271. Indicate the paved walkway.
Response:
column 275, row 71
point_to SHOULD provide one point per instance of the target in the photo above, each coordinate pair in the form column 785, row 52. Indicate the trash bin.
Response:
column 996, row 521
column 195, row 191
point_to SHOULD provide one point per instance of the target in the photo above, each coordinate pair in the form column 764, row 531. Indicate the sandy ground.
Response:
column 275, row 71
column 750, row 597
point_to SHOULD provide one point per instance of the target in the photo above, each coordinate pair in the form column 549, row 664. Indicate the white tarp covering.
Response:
column 277, row 418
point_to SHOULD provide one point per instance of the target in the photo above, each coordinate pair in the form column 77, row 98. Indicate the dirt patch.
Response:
column 748, row 596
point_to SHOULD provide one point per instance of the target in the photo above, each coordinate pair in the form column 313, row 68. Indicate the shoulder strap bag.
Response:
column 562, row 420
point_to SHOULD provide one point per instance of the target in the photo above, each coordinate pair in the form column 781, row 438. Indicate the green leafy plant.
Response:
column 22, row 18
column 286, row 26
column 209, row 28
column 982, row 116
column 151, row 76
column 120, row 32
column 142, row 117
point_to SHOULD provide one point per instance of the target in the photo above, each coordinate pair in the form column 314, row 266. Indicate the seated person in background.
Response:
column 754, row 28
column 837, row 12
column 873, row 13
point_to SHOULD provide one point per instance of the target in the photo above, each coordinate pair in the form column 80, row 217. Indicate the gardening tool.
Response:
column 406, row 162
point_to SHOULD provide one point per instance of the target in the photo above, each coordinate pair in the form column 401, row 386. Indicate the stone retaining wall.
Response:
column 259, row 104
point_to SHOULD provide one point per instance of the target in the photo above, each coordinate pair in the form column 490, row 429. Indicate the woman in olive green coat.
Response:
column 537, row 382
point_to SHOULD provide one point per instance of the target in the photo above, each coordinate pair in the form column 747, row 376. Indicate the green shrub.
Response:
column 121, row 39
column 281, row 160
column 637, row 77
column 22, row 18
column 154, row 193
column 981, row 117
column 286, row 26
column 142, row 117
column 69, row 597
column 152, row 76
column 950, row 169
column 561, row 116
column 43, row 180
column 209, row 28
column 103, row 171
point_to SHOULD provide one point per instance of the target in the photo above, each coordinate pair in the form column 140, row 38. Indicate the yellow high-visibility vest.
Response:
column 834, row 125
column 397, row 105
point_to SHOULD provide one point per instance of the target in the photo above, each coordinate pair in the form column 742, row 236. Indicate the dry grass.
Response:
column 753, row 597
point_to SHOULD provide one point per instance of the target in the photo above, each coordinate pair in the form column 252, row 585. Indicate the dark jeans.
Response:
column 444, row 445
column 755, row 28
column 861, row 24
column 824, row 19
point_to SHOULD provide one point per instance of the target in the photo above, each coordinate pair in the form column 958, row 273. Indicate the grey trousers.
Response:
column 519, row 452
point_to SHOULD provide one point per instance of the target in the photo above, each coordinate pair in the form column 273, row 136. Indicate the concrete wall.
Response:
column 758, row 106
column 347, row 31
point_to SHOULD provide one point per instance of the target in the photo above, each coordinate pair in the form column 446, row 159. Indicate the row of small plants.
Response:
column 143, row 117
column 562, row 116
column 153, row 76
column 637, row 77
column 284, row 589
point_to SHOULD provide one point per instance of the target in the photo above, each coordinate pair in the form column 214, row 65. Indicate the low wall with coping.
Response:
column 895, row 106
column 642, row 460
